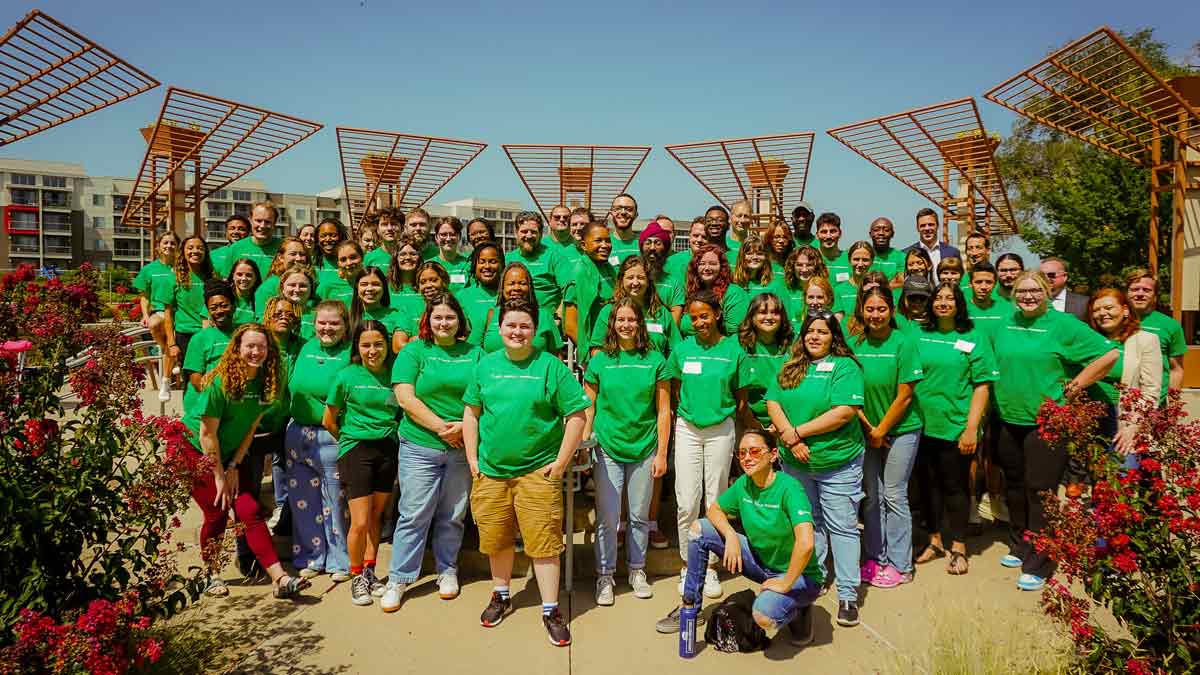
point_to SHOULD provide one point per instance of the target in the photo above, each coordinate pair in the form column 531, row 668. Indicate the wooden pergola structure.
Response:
column 944, row 153
column 575, row 176
column 51, row 74
column 198, row 145
column 387, row 169
column 770, row 172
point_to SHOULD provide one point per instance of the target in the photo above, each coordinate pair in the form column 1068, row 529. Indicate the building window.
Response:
column 56, row 245
column 242, row 210
column 24, row 243
column 54, row 181
column 55, row 199
column 489, row 213
column 24, row 197
column 119, row 202
column 301, row 214
column 97, row 200
column 241, row 196
column 24, row 220
column 221, row 194
column 506, row 215
column 23, row 179
column 98, row 221
column 129, row 249
column 216, row 232
column 218, row 210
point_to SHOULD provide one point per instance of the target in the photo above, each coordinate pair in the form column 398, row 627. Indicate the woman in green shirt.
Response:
column 330, row 233
column 779, row 244
column 803, row 265
column 891, row 423
column 861, row 255
column 315, row 494
column 752, row 270
column 515, row 284
column 709, row 271
column 350, row 263
column 705, row 367
column 291, row 252
column 244, row 384
column 522, row 424
column 245, row 279
column 185, row 308
column 153, row 283
column 429, row 378
column 1035, row 349
column 432, row 279
column 479, row 297
column 447, row 234
column 766, row 336
column 297, row 284
column 953, row 397
column 628, row 381
column 814, row 404
column 209, row 344
column 590, row 288
column 633, row 282
column 372, row 302
column 360, row 414
column 402, row 277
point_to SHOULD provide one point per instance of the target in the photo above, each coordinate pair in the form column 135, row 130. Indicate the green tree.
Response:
column 1083, row 204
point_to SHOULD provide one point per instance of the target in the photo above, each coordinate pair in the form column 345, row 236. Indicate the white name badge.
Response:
column 964, row 346
column 693, row 367
column 458, row 278
column 843, row 276
column 825, row 367
column 614, row 260
column 654, row 327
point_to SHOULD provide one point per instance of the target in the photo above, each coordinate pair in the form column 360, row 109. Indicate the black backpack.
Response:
column 732, row 628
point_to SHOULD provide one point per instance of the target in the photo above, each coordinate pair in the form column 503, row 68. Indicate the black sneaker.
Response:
column 847, row 613
column 800, row 630
column 377, row 587
column 360, row 590
column 494, row 613
column 670, row 623
column 556, row 626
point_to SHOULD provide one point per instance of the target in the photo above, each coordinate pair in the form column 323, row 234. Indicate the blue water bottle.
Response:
column 687, row 630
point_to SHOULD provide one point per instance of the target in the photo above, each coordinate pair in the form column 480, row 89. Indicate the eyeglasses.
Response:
column 561, row 217
column 624, row 209
column 821, row 313
column 1029, row 292
column 716, row 221
column 283, row 314
column 753, row 452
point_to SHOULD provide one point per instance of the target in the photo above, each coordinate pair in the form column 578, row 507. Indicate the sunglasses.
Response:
column 753, row 452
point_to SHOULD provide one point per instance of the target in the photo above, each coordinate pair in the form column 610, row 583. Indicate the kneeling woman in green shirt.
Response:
column 522, row 423
column 627, row 378
column 247, row 381
column 360, row 412
column 814, row 404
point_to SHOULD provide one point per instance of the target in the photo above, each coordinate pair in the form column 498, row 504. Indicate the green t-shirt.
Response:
column 670, row 291
column 568, row 251
column 989, row 320
column 732, row 248
column 954, row 364
column 188, row 304
column 522, row 406
column 336, row 288
column 837, row 266
column 368, row 406
column 325, row 269
column 392, row 318
column 315, row 368
column 1170, row 338
column 622, row 249
column 806, row 239
column 245, row 311
column 734, row 306
column 1033, row 357
column 268, row 289
column 769, row 517
column 546, row 338
column 845, row 296
column 278, row 413
column 378, row 257
column 626, row 423
column 676, row 266
column 832, row 381
column 550, row 274
column 660, row 328
column 308, row 329
column 439, row 376
column 590, row 288
column 459, row 270
column 262, row 256
column 237, row 417
column 154, row 282
column 222, row 260
column 1106, row 388
column 204, row 351
column 775, row 285
column 708, row 378
column 890, row 262
column 759, row 369
column 476, row 301
column 886, row 366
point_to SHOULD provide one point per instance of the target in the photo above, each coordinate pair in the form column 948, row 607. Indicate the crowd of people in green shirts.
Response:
column 430, row 375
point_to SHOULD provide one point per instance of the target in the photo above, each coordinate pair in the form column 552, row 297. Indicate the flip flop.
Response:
column 932, row 552
column 285, row 590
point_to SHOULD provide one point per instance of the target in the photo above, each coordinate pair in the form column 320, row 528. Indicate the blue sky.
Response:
column 606, row 72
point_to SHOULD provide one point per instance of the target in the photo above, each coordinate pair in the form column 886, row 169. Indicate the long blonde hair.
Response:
column 233, row 369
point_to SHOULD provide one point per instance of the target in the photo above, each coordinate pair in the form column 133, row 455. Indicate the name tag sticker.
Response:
column 458, row 278
column 964, row 346
column 652, row 327
column 843, row 276
column 693, row 367
column 825, row 367
column 614, row 260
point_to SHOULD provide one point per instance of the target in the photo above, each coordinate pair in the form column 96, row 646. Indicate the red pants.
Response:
column 245, row 508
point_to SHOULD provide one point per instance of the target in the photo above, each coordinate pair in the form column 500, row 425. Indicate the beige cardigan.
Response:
column 1143, row 365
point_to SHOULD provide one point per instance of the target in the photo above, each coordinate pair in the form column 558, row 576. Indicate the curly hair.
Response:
column 1132, row 323
column 437, row 268
column 748, row 335
column 235, row 373
column 654, row 302
column 183, row 270
column 693, row 283
column 791, row 278
column 741, row 273
column 279, row 262
column 529, row 296
column 792, row 373
column 641, row 338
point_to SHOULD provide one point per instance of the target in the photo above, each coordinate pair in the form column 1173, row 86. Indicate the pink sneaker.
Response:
column 869, row 570
column 890, row 577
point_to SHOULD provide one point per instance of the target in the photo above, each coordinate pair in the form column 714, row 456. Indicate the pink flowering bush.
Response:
column 1135, row 548
column 89, row 496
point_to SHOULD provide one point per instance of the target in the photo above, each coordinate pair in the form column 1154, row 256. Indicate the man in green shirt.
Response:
column 802, row 224
column 388, row 224
column 741, row 218
column 624, row 239
column 549, row 271
column 1142, row 290
column 829, row 232
column 416, row 225
column 236, row 229
column 716, row 225
column 888, row 259
column 984, row 308
column 560, row 239
column 262, row 244
column 978, row 249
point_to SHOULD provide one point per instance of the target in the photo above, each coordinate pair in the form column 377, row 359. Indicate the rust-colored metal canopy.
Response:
column 51, row 74
column 201, row 144
column 576, row 175
column 382, row 169
column 942, row 152
column 767, row 170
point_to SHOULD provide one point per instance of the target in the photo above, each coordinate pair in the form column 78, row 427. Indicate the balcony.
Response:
column 24, row 248
column 125, row 230
column 52, row 201
column 126, row 252
column 48, row 226
column 58, row 251
column 119, row 202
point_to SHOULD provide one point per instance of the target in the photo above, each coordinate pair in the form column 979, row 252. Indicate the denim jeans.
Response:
column 835, row 495
column 316, row 499
column 887, row 519
column 434, row 487
column 779, row 607
column 613, row 479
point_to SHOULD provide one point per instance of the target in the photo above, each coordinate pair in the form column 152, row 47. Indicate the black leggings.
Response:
column 1030, row 468
column 944, row 475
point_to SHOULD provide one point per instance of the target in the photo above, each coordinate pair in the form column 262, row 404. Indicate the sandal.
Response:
column 958, row 564
column 932, row 552
column 284, row 590
column 216, row 588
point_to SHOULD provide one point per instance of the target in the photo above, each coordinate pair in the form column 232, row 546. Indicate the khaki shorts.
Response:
column 533, row 502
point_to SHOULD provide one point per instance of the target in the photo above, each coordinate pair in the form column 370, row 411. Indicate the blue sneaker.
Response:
column 1010, row 560
column 1030, row 582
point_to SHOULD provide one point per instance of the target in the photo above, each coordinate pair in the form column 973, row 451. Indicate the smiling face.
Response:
column 193, row 251
column 388, row 229
column 881, row 233
column 529, row 235
column 635, row 282
column 1142, row 295
column 976, row 249
column 709, row 267
column 949, row 276
column 1109, row 314
column 168, row 245
column 516, row 284
column 444, row 323
column 982, row 284
column 876, row 313
column 741, row 218
column 1030, row 297
column 244, row 275
column 296, row 287
column 755, row 258
column 944, row 306
column 1006, row 272
column 516, row 330
column 697, row 237
column 704, row 320
column 818, row 340
column 220, row 311
column 625, row 323
column 829, row 235
column 253, row 348
column 417, row 226
column 487, row 267
column 447, row 240
column 329, row 327
column 369, row 290
column 597, row 243
column 372, row 349
column 927, row 227
column 754, row 455
column 767, row 319
column 655, row 250
column 294, row 253
column 815, row 296
column 429, row 282
column 408, row 258
column 777, row 241
column 328, row 237
column 477, row 233
column 716, row 222
column 262, row 224
column 860, row 262
column 578, row 222
column 560, row 222
column 308, row 236
column 349, row 262
column 624, row 212
column 368, row 240
column 282, row 319
column 236, row 230
column 805, row 266
column 915, row 264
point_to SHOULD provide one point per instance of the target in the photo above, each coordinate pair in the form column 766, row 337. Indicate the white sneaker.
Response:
column 604, row 590
column 641, row 586
column 712, row 585
column 682, row 578
column 310, row 573
column 275, row 516
column 448, row 585
column 340, row 577
column 391, row 597
column 1000, row 509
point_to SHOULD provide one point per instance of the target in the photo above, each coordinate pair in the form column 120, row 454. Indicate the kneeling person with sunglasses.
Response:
column 776, row 550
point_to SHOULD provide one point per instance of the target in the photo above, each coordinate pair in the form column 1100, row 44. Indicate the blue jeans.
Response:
column 779, row 607
column 612, row 479
column 835, row 495
column 434, row 487
column 887, row 520
column 316, row 499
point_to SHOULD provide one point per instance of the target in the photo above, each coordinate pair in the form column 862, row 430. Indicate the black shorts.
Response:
column 369, row 467
column 182, row 339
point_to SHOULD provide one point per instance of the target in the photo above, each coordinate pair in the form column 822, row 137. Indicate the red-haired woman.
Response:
column 1139, row 366
column 709, row 271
